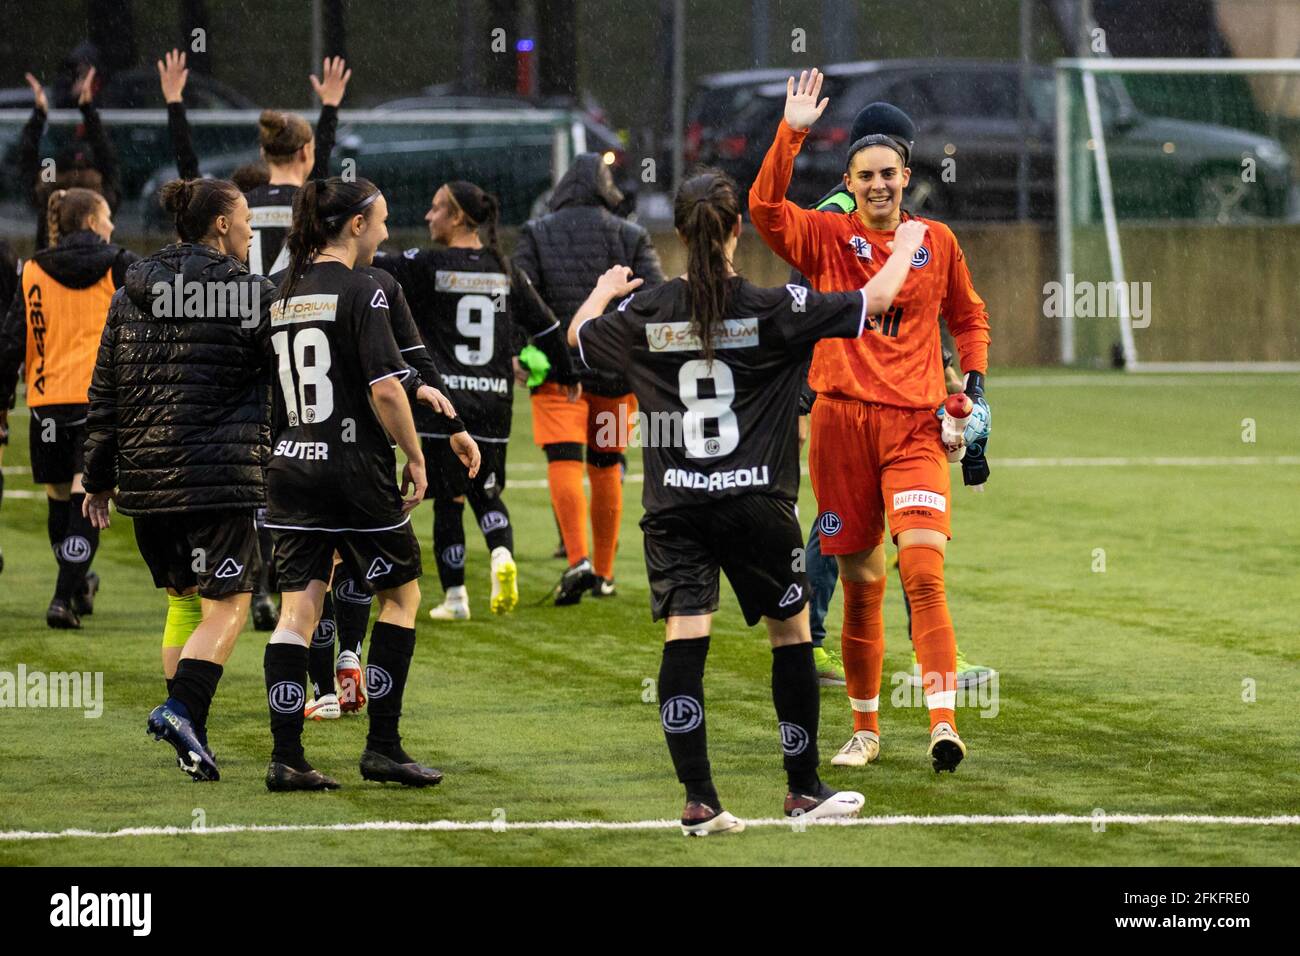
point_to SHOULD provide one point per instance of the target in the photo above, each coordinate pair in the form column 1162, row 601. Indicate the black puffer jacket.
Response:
column 565, row 251
column 180, row 407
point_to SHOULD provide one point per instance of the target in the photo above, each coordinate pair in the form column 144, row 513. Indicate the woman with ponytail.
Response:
column 53, row 326
column 468, row 299
column 717, row 363
column 177, row 435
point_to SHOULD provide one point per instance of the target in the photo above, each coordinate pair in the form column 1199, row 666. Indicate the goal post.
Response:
column 1177, row 235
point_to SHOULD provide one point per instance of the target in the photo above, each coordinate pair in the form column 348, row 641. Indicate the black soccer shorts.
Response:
column 380, row 560
column 448, row 477
column 754, row 539
column 215, row 550
column 55, row 439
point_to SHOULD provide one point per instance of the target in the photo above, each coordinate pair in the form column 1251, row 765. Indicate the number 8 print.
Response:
column 316, row 375
column 699, row 410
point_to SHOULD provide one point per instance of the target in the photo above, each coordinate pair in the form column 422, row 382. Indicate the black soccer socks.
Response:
column 351, row 613
column 494, row 521
column 681, row 712
column 449, row 542
column 320, row 656
column 76, row 550
column 798, row 705
column 285, row 666
column 193, row 687
column 387, row 665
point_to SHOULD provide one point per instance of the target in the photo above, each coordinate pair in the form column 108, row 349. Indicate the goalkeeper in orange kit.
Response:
column 876, row 448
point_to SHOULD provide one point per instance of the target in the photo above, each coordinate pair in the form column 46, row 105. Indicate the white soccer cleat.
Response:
column 505, row 582
column 693, row 825
column 824, row 805
column 324, row 707
column 863, row 748
column 454, row 606
column 946, row 749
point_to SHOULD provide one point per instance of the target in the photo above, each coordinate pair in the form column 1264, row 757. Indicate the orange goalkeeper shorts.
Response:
column 599, row 422
column 872, row 461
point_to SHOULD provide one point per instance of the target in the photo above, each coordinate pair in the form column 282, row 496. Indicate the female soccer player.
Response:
column 467, row 299
column 177, row 433
column 337, row 400
column 291, row 152
column 876, row 447
column 53, row 327
column 725, row 359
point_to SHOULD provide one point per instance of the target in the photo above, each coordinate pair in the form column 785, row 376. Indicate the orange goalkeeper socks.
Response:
column 932, row 633
column 606, row 513
column 862, row 643
column 570, row 503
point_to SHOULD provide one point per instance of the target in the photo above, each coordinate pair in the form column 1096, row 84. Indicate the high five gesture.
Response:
column 801, row 106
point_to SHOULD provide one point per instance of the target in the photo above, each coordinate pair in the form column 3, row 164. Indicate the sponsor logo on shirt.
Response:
column 678, row 337
column 477, row 383
column 919, row 499
column 486, row 283
column 717, row 480
column 321, row 307
column 271, row 217
column 861, row 248
column 303, row 450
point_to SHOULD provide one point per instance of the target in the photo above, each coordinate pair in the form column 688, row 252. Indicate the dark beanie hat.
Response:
column 882, row 124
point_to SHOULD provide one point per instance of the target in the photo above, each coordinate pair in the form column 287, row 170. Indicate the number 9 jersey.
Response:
column 332, row 466
column 724, row 428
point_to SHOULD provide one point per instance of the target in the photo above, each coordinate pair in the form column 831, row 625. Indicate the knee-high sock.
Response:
column 862, row 644
column 449, row 542
column 681, row 712
column 387, row 665
column 194, row 686
column 569, row 500
column 285, row 667
column 77, row 550
column 932, row 632
column 493, row 520
column 351, row 613
column 320, row 655
column 56, row 526
column 606, row 513
column 798, row 706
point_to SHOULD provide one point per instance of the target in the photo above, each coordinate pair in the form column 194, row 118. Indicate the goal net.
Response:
column 1177, row 219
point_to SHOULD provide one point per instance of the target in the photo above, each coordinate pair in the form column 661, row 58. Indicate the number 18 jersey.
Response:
column 719, row 429
column 332, row 466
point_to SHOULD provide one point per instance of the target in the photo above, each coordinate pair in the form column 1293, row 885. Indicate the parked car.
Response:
column 967, row 111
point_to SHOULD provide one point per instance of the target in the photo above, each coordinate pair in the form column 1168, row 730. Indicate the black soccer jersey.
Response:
column 730, row 427
column 332, row 466
column 466, row 308
column 272, row 217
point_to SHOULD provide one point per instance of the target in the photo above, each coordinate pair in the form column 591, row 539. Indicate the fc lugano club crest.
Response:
column 921, row 258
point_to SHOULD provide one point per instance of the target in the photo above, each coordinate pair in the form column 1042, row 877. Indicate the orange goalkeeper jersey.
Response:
column 899, row 360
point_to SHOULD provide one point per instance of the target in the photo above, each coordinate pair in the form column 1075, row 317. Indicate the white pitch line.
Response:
column 1054, row 819
column 1121, row 380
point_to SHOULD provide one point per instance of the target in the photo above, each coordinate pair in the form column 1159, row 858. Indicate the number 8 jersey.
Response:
column 729, row 427
column 332, row 466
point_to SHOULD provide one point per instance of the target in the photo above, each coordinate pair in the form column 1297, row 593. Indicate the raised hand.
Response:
column 336, row 74
column 38, row 91
column 84, row 88
column 172, row 74
column 801, row 106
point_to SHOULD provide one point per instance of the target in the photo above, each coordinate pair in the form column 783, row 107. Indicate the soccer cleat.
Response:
column 381, row 769
column 603, row 588
column 824, row 804
column 265, row 613
column 700, row 819
column 830, row 670
column 351, row 681
column 946, row 748
column 83, row 602
column 281, row 778
column 58, row 615
column 169, row 722
column 505, row 581
column 324, row 707
column 863, row 748
column 968, row 674
column 449, row 610
column 578, row 579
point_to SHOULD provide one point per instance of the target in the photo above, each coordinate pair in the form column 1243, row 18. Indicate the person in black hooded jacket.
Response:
column 179, row 433
column 53, row 326
column 564, row 253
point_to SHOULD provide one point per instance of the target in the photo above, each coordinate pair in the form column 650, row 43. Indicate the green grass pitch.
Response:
column 1164, row 684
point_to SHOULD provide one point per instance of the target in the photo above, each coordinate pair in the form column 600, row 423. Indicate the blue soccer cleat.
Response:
column 170, row 722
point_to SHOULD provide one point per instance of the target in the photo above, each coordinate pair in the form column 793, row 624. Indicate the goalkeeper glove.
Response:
column 975, row 466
